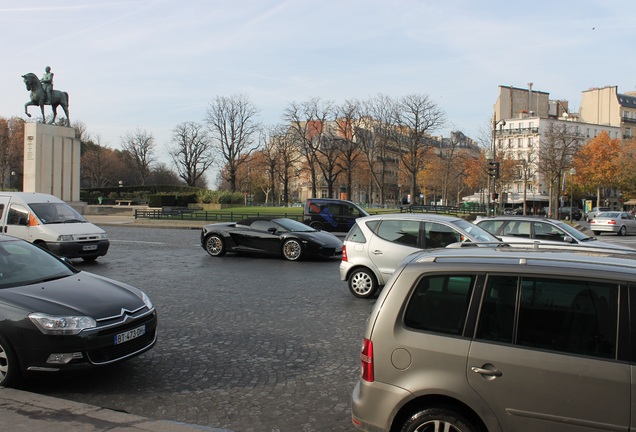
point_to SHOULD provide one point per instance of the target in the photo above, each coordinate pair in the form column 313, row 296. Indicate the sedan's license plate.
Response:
column 130, row 334
column 89, row 247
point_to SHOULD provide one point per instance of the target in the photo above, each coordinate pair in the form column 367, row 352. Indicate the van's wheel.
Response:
column 292, row 250
column 89, row 259
column 9, row 367
column 214, row 245
column 438, row 419
column 317, row 226
column 362, row 283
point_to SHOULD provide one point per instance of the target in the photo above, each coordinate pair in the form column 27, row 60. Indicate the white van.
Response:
column 52, row 224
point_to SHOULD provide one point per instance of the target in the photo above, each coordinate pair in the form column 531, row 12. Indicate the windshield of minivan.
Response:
column 51, row 213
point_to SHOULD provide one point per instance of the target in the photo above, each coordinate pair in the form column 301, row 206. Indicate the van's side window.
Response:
column 17, row 215
column 1, row 211
column 572, row 316
column 440, row 304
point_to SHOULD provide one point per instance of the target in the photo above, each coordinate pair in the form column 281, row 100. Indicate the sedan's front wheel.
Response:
column 292, row 250
column 9, row 368
column 214, row 245
column 623, row 231
column 362, row 283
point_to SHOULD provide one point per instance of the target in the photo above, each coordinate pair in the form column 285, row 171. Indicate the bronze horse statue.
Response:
column 38, row 96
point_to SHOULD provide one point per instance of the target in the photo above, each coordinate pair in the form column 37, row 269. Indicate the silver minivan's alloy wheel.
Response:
column 437, row 420
column 292, row 250
column 362, row 283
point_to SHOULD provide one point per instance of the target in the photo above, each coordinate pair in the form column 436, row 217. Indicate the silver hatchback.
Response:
column 501, row 339
column 375, row 245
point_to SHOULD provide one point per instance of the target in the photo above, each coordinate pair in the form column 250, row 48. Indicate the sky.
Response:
column 154, row 64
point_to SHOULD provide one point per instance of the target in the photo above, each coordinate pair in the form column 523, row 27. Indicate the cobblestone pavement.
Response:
column 246, row 343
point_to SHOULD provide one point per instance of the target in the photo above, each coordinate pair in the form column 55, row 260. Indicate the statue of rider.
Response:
column 47, row 84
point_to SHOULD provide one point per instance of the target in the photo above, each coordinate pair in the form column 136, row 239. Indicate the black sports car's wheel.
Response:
column 437, row 419
column 9, row 368
column 214, row 245
column 362, row 283
column 292, row 250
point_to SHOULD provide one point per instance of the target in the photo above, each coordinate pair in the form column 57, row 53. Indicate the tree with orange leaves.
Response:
column 598, row 163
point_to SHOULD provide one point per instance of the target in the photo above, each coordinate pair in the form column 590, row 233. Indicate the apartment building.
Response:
column 522, row 118
column 607, row 106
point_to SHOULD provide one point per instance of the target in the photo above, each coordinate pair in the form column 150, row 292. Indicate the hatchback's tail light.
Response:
column 366, row 358
column 344, row 253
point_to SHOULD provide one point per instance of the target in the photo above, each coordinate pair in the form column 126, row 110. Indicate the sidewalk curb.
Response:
column 24, row 411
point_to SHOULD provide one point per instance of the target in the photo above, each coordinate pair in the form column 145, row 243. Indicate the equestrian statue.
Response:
column 42, row 93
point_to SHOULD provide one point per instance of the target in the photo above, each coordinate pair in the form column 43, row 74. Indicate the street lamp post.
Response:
column 572, row 172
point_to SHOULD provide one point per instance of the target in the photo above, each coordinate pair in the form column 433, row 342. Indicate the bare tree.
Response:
column 557, row 148
column 418, row 116
column 377, row 138
column 232, row 123
column 139, row 147
column 100, row 165
column 307, row 126
column 191, row 151
column 349, row 123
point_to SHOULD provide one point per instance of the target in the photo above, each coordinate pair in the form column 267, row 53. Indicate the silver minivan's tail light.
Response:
column 366, row 358
column 344, row 253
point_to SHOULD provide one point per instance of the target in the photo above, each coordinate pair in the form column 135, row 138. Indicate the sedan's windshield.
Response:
column 477, row 233
column 22, row 263
column 573, row 232
column 51, row 213
column 292, row 225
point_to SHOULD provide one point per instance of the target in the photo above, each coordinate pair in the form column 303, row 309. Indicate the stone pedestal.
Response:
column 52, row 161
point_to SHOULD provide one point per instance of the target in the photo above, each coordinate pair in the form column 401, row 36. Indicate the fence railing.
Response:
column 201, row 215
column 215, row 216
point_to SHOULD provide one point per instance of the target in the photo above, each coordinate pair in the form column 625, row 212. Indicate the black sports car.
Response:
column 54, row 317
column 268, row 235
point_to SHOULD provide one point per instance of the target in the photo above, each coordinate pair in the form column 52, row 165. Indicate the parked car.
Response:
column 52, row 224
column 621, row 223
column 500, row 339
column 565, row 212
column 269, row 235
column 374, row 247
column 517, row 230
column 595, row 212
column 56, row 318
column 332, row 215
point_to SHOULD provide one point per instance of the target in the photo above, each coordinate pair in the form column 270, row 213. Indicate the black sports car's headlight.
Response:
column 62, row 325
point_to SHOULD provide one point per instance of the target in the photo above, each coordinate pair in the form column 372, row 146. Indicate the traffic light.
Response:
column 493, row 169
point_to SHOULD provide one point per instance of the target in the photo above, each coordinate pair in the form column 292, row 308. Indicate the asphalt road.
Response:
column 245, row 343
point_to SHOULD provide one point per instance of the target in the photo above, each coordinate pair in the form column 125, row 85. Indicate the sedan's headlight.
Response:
column 146, row 300
column 62, row 325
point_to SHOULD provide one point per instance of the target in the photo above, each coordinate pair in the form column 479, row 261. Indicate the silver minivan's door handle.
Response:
column 377, row 252
column 487, row 372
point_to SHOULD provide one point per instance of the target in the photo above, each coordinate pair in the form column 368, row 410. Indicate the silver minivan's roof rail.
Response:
column 544, row 246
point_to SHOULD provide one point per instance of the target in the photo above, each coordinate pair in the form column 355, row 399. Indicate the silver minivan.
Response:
column 501, row 339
